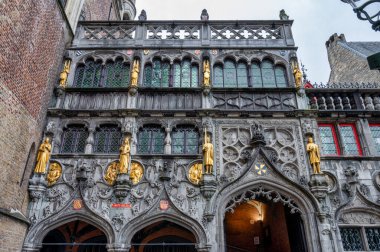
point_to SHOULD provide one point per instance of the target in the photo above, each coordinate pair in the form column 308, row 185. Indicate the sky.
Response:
column 314, row 22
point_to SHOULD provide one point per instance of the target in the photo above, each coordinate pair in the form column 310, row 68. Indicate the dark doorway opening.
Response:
column 163, row 236
column 264, row 226
column 76, row 236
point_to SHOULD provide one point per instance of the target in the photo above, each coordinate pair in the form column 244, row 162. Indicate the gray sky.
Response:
column 314, row 22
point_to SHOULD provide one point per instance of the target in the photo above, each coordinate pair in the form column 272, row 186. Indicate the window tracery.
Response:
column 107, row 139
column 74, row 139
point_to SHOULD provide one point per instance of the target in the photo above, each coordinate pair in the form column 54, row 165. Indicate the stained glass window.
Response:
column 165, row 74
column 185, row 140
column 117, row 74
column 107, row 139
column 373, row 238
column 268, row 74
column 257, row 81
column 375, row 131
column 74, row 139
column 328, row 139
column 280, row 76
column 177, row 74
column 194, row 76
column 229, row 71
column 148, row 76
column 351, row 239
column 151, row 140
column 186, row 73
column 156, row 77
column 218, row 76
column 88, row 75
column 242, row 75
column 349, row 140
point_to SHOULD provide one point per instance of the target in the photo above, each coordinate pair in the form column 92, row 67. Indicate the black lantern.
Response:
column 367, row 10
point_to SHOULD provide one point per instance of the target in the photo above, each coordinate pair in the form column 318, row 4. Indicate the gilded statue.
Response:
column 135, row 73
column 314, row 156
column 125, row 156
column 195, row 173
column 206, row 73
column 136, row 173
column 297, row 75
column 64, row 74
column 43, row 157
column 208, row 154
column 111, row 173
column 54, row 173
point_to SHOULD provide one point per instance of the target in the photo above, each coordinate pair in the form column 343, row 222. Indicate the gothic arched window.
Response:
column 268, row 75
column 231, row 75
column 257, row 79
column 185, row 74
column 242, row 75
column 117, row 74
column 74, row 139
column 151, row 140
column 185, row 140
column 280, row 74
column 218, row 76
column 107, row 139
column 89, row 74
column 157, row 74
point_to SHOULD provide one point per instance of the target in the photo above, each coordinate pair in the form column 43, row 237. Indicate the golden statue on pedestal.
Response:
column 136, row 173
column 206, row 73
column 64, row 74
column 297, row 75
column 43, row 157
column 111, row 173
column 195, row 173
column 314, row 156
column 135, row 73
column 125, row 156
column 208, row 154
column 54, row 173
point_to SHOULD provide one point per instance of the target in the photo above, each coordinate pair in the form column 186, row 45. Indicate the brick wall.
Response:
column 346, row 65
column 99, row 10
column 31, row 46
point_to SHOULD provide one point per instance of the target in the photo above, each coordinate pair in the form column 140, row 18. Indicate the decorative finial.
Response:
column 204, row 15
column 143, row 16
column 304, row 70
column 283, row 15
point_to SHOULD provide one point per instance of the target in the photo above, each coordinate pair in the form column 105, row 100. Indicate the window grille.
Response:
column 107, row 139
column 329, row 140
column 74, row 139
column 229, row 76
column 267, row 73
column 350, row 139
column 88, row 75
column 151, row 140
column 373, row 238
column 117, row 74
column 375, row 131
column 351, row 239
column 185, row 140
column 157, row 75
column 257, row 79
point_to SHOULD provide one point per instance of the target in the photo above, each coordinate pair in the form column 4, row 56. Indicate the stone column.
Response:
column 168, row 141
column 31, row 247
column 90, row 141
column 118, row 247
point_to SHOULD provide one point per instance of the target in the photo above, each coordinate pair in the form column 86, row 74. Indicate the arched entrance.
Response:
column 75, row 236
column 163, row 236
column 260, row 224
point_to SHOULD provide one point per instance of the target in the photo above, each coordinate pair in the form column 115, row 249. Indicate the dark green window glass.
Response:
column 74, row 139
column 151, row 140
column 194, row 76
column 186, row 76
column 177, row 75
column 351, row 239
column 375, row 131
column 218, row 76
column 107, row 139
column 373, row 238
column 280, row 76
column 117, row 74
column 268, row 74
column 242, row 75
column 328, row 141
column 165, row 74
column 257, row 81
column 89, row 75
column 349, row 140
column 79, row 76
column 185, row 140
column 229, row 69
column 156, row 77
column 148, row 76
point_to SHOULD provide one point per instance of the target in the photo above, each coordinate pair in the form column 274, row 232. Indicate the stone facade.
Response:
column 348, row 60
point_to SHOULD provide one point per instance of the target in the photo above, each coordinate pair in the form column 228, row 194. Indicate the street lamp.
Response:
column 367, row 10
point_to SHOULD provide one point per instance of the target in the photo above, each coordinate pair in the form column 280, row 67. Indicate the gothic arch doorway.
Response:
column 263, row 223
column 75, row 236
column 163, row 236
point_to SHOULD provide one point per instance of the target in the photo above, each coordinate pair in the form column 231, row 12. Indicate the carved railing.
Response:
column 330, row 97
column 152, row 34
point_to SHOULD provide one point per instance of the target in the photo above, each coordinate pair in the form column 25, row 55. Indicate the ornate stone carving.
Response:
column 361, row 218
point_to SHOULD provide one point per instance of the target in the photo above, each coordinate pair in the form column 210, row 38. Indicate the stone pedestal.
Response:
column 118, row 247
column 208, row 186
column 37, row 186
column 319, row 186
column 122, row 186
